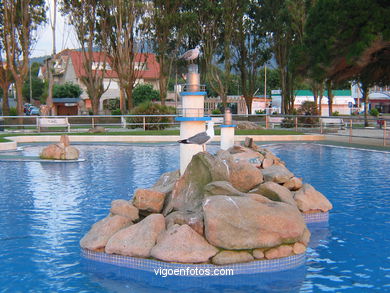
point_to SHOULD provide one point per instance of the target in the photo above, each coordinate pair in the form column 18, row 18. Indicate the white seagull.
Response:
column 192, row 54
column 201, row 138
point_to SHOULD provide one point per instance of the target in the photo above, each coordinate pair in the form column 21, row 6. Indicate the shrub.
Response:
column 116, row 112
column 260, row 112
column 67, row 90
column 374, row 112
column 13, row 111
column 143, row 93
column 216, row 112
column 287, row 122
column 152, row 123
column 308, row 108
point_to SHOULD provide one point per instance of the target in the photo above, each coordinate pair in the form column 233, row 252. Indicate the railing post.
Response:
column 93, row 122
column 350, row 131
column 296, row 124
column 321, row 129
column 266, row 121
column 37, row 123
column 384, row 133
column 144, row 122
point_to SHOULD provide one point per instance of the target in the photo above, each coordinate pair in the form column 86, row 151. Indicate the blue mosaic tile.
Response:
column 316, row 217
column 150, row 265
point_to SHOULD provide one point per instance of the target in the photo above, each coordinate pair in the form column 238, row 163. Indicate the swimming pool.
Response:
column 46, row 208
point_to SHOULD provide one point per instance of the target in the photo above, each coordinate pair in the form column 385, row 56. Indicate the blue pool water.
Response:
column 45, row 208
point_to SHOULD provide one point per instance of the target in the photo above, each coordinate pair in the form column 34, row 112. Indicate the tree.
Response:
column 84, row 16
column 119, row 27
column 5, row 82
column 67, row 90
column 20, row 20
column 349, row 39
column 50, row 61
column 144, row 93
column 37, row 88
column 166, row 31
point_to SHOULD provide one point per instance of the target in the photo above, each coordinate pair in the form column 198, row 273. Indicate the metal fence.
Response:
column 349, row 127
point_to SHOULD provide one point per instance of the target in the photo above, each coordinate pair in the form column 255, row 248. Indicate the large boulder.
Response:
column 166, row 182
column 293, row 184
column 124, row 208
column 59, row 151
column 138, row 239
column 97, row 238
column 244, row 176
column 221, row 188
column 182, row 244
column 226, row 257
column 241, row 154
column 277, row 173
column 275, row 192
column 192, row 219
column 308, row 199
column 188, row 192
column 149, row 200
column 234, row 222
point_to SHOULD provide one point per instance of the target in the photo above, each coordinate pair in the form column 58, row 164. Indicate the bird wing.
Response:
column 199, row 138
column 187, row 54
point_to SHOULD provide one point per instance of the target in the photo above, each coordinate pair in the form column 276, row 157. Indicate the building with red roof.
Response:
column 68, row 67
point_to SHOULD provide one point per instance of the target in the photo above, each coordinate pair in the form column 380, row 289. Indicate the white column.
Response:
column 227, row 137
column 187, row 151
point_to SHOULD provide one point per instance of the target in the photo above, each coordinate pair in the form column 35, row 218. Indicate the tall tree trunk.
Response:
column 122, row 103
column 19, row 99
column 95, row 105
column 5, row 104
column 365, row 99
column 330, row 96
column 163, row 87
column 129, row 95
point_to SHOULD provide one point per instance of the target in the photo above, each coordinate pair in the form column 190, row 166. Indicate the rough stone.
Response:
column 299, row 248
column 221, row 188
column 258, row 253
column 293, row 184
column 267, row 162
column 258, row 197
column 182, row 244
column 275, row 192
column 306, row 237
column 188, row 192
column 308, row 198
column 246, row 125
column 192, row 219
column 234, row 222
column 278, row 252
column 244, row 176
column 124, row 208
column 230, row 257
column 277, row 173
column 166, row 182
column 241, row 154
column 64, row 139
column 138, row 239
column 97, row 238
column 149, row 200
column 59, row 151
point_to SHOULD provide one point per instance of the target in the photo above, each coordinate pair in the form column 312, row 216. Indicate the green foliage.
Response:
column 336, row 113
column 216, row 112
column 113, row 104
column 67, row 90
column 37, row 86
column 13, row 111
column 152, row 123
column 374, row 112
column 308, row 108
column 261, row 112
column 116, row 112
column 144, row 93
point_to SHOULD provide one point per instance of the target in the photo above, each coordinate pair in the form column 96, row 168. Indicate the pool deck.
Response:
column 144, row 138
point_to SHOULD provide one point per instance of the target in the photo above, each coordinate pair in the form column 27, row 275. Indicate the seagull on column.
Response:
column 201, row 138
column 191, row 55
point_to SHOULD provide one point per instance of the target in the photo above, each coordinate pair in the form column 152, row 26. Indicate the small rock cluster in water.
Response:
column 60, row 151
column 236, row 206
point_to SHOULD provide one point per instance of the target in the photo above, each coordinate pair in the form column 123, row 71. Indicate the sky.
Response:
column 65, row 36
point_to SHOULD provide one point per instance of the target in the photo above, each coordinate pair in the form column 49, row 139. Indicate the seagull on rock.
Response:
column 192, row 54
column 201, row 138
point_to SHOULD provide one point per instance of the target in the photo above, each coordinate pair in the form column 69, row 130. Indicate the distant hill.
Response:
column 40, row 59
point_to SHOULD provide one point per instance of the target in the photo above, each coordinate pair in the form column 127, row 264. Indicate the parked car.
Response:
column 33, row 111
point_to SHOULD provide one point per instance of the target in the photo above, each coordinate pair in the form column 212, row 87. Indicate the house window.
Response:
column 140, row 66
column 111, row 85
column 100, row 66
